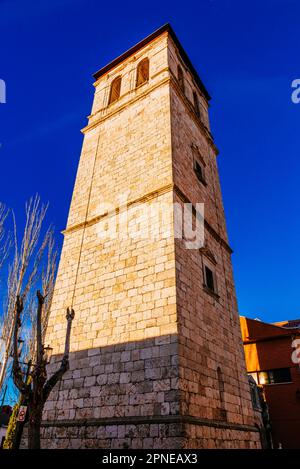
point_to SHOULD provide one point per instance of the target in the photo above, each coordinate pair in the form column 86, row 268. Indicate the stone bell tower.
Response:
column 156, row 353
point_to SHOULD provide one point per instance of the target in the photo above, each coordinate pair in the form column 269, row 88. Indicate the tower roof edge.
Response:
column 165, row 28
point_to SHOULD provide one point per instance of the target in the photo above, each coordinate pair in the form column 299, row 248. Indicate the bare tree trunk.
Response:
column 34, row 426
column 22, row 275
column 3, row 367
column 38, row 389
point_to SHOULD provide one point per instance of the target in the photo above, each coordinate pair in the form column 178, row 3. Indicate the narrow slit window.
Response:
column 115, row 90
column 180, row 78
column 221, row 412
column 220, row 382
column 142, row 72
column 196, row 104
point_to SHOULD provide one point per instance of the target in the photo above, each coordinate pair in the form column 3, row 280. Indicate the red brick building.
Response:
column 268, row 352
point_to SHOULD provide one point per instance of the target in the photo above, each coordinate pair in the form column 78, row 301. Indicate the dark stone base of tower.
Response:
column 168, row 433
column 129, row 396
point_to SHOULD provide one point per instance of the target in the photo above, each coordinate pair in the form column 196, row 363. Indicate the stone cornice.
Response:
column 120, row 108
column 159, row 419
column 166, row 28
column 116, row 210
column 143, row 199
column 169, row 79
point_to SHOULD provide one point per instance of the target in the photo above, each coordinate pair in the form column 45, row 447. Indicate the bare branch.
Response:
column 48, row 281
column 5, row 241
column 17, row 372
column 65, row 360
column 47, row 277
column 39, row 343
column 24, row 270
column 3, row 248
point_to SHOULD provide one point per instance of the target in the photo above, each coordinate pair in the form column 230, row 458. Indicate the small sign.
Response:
column 22, row 413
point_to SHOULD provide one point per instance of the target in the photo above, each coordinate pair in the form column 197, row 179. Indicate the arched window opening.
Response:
column 115, row 90
column 142, row 75
column 180, row 77
column 196, row 104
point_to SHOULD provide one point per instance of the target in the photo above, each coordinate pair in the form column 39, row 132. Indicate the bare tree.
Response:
column 48, row 282
column 4, row 250
column 36, row 389
column 24, row 272
column 31, row 277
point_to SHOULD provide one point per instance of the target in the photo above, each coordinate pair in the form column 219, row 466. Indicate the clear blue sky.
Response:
column 247, row 54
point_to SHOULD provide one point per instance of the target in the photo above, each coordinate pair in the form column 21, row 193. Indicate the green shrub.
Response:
column 11, row 429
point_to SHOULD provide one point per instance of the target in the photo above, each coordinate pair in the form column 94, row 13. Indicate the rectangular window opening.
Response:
column 209, row 279
column 279, row 375
column 199, row 171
